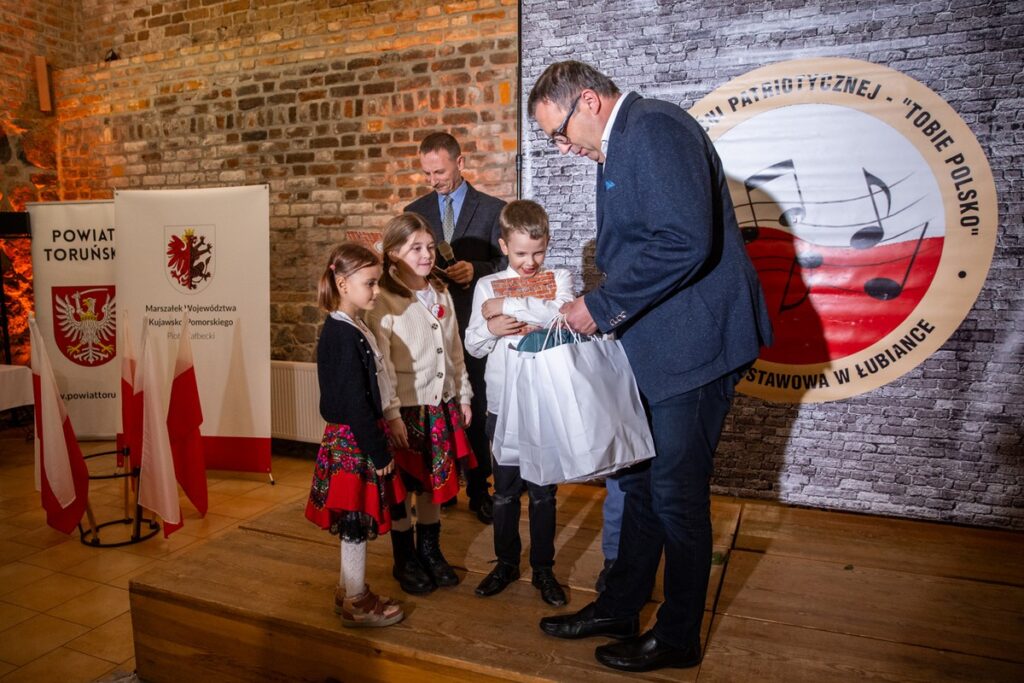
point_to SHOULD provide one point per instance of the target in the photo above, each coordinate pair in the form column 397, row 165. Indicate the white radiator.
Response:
column 295, row 402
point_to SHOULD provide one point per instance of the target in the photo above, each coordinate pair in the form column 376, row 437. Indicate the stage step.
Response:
column 255, row 604
column 883, row 543
column 742, row 649
column 955, row 615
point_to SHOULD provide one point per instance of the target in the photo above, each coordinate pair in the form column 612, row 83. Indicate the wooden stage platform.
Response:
column 795, row 595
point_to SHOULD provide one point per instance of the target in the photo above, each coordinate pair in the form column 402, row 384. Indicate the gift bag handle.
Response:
column 558, row 325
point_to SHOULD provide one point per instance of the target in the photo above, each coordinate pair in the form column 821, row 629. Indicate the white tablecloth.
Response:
column 15, row 386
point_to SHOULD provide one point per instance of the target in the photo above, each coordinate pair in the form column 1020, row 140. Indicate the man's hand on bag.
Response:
column 399, row 437
column 460, row 272
column 578, row 316
column 492, row 307
column 386, row 470
column 505, row 325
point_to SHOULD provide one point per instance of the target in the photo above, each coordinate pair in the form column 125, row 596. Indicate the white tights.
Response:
column 353, row 567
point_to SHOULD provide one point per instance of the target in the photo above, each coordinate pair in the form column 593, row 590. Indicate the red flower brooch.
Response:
column 438, row 311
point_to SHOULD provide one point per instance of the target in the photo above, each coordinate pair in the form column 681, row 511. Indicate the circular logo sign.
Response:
column 869, row 211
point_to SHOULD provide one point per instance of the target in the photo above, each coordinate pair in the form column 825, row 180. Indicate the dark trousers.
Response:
column 476, row 479
column 508, row 487
column 668, row 507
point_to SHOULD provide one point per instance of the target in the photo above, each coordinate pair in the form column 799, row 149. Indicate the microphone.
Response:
column 448, row 255
column 446, row 252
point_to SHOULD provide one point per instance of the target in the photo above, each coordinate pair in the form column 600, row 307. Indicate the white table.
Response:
column 15, row 386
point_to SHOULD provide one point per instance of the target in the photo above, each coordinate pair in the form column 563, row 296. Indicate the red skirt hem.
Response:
column 350, row 493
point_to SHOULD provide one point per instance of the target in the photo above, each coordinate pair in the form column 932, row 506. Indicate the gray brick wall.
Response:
column 943, row 442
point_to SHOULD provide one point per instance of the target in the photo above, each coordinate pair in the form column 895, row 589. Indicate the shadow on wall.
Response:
column 753, row 463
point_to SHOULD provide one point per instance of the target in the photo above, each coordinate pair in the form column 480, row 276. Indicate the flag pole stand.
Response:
column 91, row 537
column 92, row 521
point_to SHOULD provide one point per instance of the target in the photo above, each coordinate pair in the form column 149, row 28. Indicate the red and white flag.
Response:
column 184, row 417
column 158, row 489
column 61, row 475
column 131, row 402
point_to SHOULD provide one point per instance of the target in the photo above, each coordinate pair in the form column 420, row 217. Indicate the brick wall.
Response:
column 28, row 159
column 27, row 136
column 325, row 101
column 943, row 442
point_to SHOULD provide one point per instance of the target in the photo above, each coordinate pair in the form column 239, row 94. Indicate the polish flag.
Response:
column 183, row 420
column 131, row 402
column 61, row 475
column 158, row 489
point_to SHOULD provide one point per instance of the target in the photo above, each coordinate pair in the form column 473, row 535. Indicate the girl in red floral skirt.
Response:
column 353, row 484
column 415, row 323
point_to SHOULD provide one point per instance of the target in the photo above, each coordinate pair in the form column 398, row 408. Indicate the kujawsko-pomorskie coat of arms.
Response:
column 190, row 257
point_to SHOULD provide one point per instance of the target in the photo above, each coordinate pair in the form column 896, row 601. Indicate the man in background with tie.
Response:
column 467, row 220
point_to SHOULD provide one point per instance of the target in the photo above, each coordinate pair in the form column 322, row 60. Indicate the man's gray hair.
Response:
column 561, row 82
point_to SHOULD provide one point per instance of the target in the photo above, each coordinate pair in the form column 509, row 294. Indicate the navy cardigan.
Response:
column 349, row 393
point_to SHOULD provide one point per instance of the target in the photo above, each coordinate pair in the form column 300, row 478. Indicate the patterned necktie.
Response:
column 448, row 221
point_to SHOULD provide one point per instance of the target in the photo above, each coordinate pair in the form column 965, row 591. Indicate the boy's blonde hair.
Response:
column 526, row 216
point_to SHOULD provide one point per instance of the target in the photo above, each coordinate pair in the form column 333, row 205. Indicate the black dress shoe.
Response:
column 647, row 653
column 550, row 592
column 483, row 507
column 584, row 624
column 498, row 580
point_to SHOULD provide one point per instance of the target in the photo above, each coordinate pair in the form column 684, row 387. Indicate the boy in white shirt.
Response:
column 496, row 324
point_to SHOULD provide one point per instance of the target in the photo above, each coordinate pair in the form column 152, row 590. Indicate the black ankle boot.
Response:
column 408, row 571
column 428, row 548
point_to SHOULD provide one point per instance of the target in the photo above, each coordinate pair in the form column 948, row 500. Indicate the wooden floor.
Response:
column 796, row 595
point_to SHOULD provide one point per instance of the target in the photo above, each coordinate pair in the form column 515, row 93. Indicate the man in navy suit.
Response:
column 468, row 220
column 681, row 294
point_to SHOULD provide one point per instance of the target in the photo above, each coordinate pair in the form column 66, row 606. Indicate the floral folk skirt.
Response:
column 347, row 497
column 437, row 445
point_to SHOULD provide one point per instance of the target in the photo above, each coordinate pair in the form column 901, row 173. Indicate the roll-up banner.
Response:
column 76, row 301
column 206, row 251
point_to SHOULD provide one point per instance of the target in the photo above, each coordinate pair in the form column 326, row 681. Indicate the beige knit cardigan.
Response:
column 422, row 354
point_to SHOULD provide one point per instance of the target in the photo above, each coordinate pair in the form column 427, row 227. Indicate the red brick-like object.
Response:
column 540, row 286
column 368, row 238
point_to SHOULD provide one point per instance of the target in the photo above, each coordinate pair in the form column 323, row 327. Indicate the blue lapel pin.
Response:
column 609, row 184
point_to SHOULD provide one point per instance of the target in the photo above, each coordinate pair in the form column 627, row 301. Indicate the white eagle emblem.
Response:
column 85, row 324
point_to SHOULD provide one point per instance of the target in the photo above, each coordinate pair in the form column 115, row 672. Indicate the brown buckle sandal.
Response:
column 368, row 610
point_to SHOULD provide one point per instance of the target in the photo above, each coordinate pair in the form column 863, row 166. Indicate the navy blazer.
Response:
column 680, row 290
column 475, row 240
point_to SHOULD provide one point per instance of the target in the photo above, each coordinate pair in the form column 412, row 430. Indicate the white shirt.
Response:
column 428, row 297
column 479, row 340
column 607, row 132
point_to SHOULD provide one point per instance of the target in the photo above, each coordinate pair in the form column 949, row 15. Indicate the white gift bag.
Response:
column 505, row 444
column 518, row 419
column 589, row 419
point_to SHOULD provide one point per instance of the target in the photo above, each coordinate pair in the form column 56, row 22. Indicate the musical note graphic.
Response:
column 808, row 260
column 788, row 218
column 886, row 289
column 870, row 235
column 839, row 290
